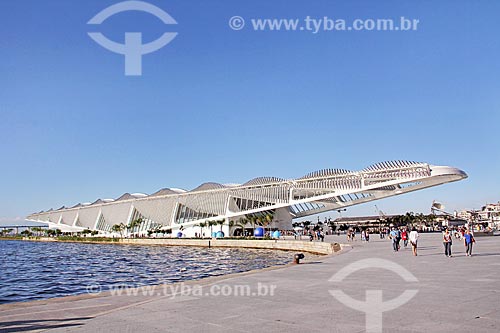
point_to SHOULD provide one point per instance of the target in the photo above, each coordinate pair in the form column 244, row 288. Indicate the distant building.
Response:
column 363, row 220
column 489, row 214
column 465, row 215
column 454, row 222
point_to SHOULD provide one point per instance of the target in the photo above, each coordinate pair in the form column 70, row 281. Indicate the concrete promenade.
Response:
column 459, row 294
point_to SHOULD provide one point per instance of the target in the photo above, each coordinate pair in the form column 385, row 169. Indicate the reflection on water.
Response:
column 37, row 270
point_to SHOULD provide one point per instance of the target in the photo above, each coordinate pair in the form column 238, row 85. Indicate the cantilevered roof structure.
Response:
column 316, row 192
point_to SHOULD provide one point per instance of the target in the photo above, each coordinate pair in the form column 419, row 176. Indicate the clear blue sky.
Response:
column 227, row 106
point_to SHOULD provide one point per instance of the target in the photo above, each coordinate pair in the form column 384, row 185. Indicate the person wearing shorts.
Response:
column 413, row 240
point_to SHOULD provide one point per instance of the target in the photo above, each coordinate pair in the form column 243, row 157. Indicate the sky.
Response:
column 225, row 105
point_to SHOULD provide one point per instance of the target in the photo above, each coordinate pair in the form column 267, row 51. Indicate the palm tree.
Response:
column 269, row 219
column 306, row 224
column 7, row 231
column 26, row 232
column 202, row 226
column 231, row 225
column 36, row 230
column 115, row 228
column 118, row 228
column 332, row 225
column 221, row 223
column 211, row 224
column 253, row 220
column 242, row 222
column 134, row 223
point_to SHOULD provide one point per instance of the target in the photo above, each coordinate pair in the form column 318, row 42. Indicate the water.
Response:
column 38, row 270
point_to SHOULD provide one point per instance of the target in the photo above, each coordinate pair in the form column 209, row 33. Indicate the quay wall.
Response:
column 272, row 244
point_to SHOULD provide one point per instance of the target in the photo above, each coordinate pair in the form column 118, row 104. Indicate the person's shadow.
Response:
column 40, row 324
column 486, row 254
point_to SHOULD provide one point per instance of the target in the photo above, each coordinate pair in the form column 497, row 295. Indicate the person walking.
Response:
column 404, row 236
column 447, row 241
column 413, row 240
column 468, row 241
column 398, row 230
column 394, row 237
column 321, row 235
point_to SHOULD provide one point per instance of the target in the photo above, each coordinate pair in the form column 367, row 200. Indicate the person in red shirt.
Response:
column 404, row 237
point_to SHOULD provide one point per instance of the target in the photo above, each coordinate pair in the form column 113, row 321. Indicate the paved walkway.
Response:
column 458, row 294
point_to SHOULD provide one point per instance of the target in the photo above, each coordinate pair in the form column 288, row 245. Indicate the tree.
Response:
column 221, row 223
column 254, row 220
column 26, row 233
column 4, row 232
column 202, row 226
column 133, row 224
column 161, row 231
column 37, row 231
column 118, row 228
column 242, row 222
column 268, row 219
column 332, row 225
column 211, row 224
column 306, row 224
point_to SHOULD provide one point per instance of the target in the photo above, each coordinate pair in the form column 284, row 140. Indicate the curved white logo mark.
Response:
column 373, row 306
column 133, row 49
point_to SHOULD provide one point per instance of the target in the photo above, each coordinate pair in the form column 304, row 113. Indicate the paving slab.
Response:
column 458, row 294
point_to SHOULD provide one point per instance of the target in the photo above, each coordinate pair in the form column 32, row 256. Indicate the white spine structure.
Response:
column 320, row 191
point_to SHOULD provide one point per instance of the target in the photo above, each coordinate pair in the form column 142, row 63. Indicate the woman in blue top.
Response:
column 468, row 240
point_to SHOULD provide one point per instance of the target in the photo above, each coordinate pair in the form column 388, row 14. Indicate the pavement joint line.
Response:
column 221, row 326
column 105, row 312
column 56, row 310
